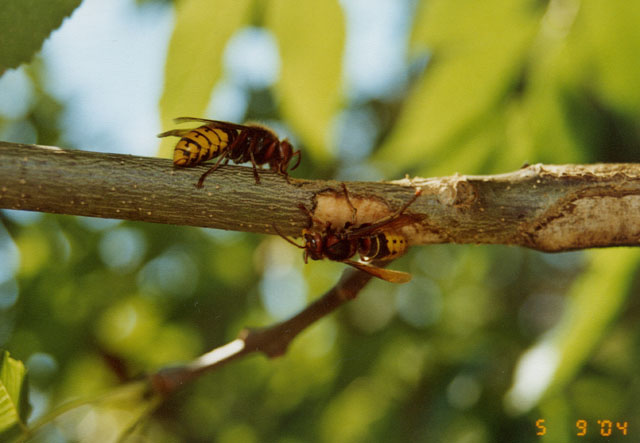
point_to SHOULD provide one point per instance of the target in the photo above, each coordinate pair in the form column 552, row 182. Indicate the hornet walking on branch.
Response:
column 252, row 143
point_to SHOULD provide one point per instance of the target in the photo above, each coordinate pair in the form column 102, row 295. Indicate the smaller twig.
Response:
column 272, row 341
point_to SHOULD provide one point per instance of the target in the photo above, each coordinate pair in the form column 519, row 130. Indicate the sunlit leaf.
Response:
column 194, row 60
column 108, row 418
column 24, row 26
column 34, row 251
column 605, row 43
column 475, row 153
column 478, row 52
column 560, row 424
column 556, row 119
column 547, row 117
column 311, row 39
column 351, row 415
column 14, row 406
column 129, row 326
column 419, row 38
column 596, row 299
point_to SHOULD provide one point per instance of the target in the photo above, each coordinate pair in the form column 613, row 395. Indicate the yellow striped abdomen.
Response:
column 382, row 246
column 396, row 244
column 199, row 145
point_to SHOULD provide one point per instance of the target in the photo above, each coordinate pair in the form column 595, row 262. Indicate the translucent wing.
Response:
column 176, row 132
column 385, row 274
column 214, row 123
column 369, row 229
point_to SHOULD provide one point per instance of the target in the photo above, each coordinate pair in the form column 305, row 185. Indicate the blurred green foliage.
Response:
column 481, row 344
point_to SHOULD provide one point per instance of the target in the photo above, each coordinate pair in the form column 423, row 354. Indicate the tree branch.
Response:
column 544, row 207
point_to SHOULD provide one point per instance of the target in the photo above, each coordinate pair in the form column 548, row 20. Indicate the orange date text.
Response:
column 604, row 428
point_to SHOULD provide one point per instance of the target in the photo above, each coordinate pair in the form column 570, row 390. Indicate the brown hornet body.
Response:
column 343, row 245
column 231, row 142
column 372, row 241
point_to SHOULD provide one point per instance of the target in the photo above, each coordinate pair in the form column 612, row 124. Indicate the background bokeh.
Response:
column 485, row 340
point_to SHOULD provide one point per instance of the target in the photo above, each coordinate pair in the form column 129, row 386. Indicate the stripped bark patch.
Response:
column 592, row 221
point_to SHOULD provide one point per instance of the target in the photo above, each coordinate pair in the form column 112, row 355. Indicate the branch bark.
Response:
column 544, row 207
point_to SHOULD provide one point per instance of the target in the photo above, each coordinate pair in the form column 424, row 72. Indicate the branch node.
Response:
column 271, row 341
column 457, row 191
column 167, row 380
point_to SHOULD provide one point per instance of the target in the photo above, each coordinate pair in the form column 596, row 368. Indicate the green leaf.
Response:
column 311, row 39
column 14, row 406
column 596, row 298
column 548, row 124
column 118, row 415
column 604, row 47
column 479, row 49
column 24, row 26
column 475, row 153
column 194, row 59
